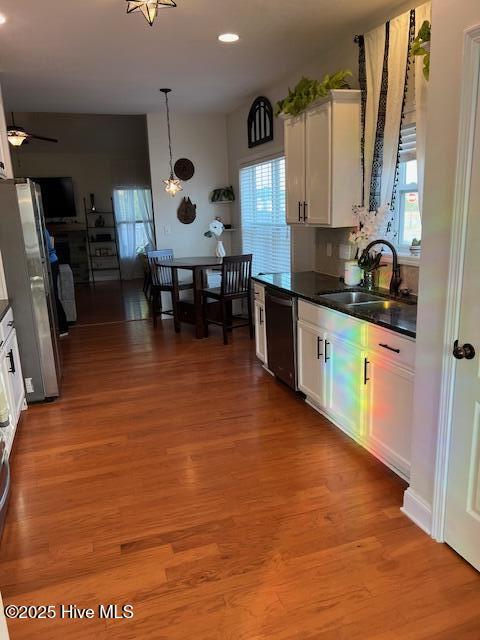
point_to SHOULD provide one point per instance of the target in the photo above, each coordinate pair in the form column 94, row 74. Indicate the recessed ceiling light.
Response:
column 2, row 19
column 228, row 37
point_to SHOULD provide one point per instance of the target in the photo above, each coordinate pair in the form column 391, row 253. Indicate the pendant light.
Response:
column 172, row 184
column 149, row 8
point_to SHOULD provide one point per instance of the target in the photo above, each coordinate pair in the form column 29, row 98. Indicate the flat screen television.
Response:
column 57, row 197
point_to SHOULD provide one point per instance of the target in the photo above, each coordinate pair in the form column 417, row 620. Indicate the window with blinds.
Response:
column 265, row 233
column 407, row 210
column 408, row 143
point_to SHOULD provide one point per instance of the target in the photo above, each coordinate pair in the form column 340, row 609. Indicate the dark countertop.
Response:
column 4, row 307
column 309, row 285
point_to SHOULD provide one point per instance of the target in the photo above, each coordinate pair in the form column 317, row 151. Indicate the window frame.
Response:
column 399, row 211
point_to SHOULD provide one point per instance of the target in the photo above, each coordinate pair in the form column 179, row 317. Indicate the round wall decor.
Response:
column 184, row 169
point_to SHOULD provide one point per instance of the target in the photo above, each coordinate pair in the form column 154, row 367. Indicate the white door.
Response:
column 345, row 392
column 462, row 525
column 318, row 164
column 260, row 332
column 295, row 168
column 389, row 411
column 311, row 362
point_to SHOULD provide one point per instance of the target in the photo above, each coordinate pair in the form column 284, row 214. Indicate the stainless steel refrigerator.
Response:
column 29, row 283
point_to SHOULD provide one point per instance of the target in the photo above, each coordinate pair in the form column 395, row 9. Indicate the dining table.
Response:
column 198, row 266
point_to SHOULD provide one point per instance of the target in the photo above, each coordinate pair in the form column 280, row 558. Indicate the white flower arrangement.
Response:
column 215, row 229
column 370, row 225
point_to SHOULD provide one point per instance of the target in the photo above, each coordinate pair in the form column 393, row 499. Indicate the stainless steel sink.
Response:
column 362, row 301
column 351, row 298
column 379, row 305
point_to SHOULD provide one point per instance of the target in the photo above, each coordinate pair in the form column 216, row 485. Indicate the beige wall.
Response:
column 305, row 242
column 449, row 19
column 99, row 152
column 202, row 139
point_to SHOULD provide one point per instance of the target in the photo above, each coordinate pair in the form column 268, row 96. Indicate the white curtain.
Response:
column 385, row 78
column 374, row 55
column 422, row 13
column 134, row 217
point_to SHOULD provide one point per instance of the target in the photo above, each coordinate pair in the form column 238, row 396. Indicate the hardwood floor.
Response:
column 111, row 301
column 176, row 475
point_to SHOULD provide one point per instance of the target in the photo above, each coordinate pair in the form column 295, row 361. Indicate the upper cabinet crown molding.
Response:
column 323, row 161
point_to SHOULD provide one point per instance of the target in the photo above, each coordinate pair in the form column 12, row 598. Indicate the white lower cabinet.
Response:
column 260, row 331
column 361, row 377
column 389, row 414
column 11, row 378
column 310, row 356
column 345, row 393
column 13, row 375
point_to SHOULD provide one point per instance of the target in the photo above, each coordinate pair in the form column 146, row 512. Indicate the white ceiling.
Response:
column 89, row 56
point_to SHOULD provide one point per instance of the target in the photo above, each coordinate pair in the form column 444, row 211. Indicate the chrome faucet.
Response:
column 396, row 279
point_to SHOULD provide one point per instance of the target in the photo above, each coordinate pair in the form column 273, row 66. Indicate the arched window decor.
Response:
column 260, row 122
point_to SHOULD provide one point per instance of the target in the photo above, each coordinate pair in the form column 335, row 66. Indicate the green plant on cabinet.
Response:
column 308, row 90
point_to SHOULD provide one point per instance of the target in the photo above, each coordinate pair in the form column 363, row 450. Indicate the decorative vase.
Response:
column 220, row 250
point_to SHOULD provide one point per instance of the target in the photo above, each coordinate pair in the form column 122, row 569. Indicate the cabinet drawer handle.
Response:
column 305, row 205
column 365, row 371
column 386, row 346
column 299, row 211
column 319, row 355
column 12, row 361
column 327, row 357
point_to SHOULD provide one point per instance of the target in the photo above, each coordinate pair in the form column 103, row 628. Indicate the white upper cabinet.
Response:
column 295, row 167
column 323, row 161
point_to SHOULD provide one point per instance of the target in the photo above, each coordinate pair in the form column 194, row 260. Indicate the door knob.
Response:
column 466, row 351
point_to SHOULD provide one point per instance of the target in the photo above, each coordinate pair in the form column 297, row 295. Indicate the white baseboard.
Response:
column 419, row 511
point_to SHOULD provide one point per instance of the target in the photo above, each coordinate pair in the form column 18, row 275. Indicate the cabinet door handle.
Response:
column 10, row 324
column 386, row 346
column 12, row 361
column 299, row 211
column 261, row 315
column 365, row 371
column 305, row 205
column 325, row 352
column 319, row 341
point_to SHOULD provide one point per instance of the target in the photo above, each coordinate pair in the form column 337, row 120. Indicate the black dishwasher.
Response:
column 281, row 323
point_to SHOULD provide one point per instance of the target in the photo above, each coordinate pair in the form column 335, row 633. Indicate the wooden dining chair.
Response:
column 162, row 279
column 235, row 285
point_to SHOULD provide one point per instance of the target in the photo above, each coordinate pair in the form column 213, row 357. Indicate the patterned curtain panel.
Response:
column 384, row 70
column 422, row 13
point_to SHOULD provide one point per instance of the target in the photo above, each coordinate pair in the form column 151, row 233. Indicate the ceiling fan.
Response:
column 18, row 136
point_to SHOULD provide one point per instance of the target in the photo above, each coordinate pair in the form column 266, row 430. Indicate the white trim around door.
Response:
column 468, row 107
